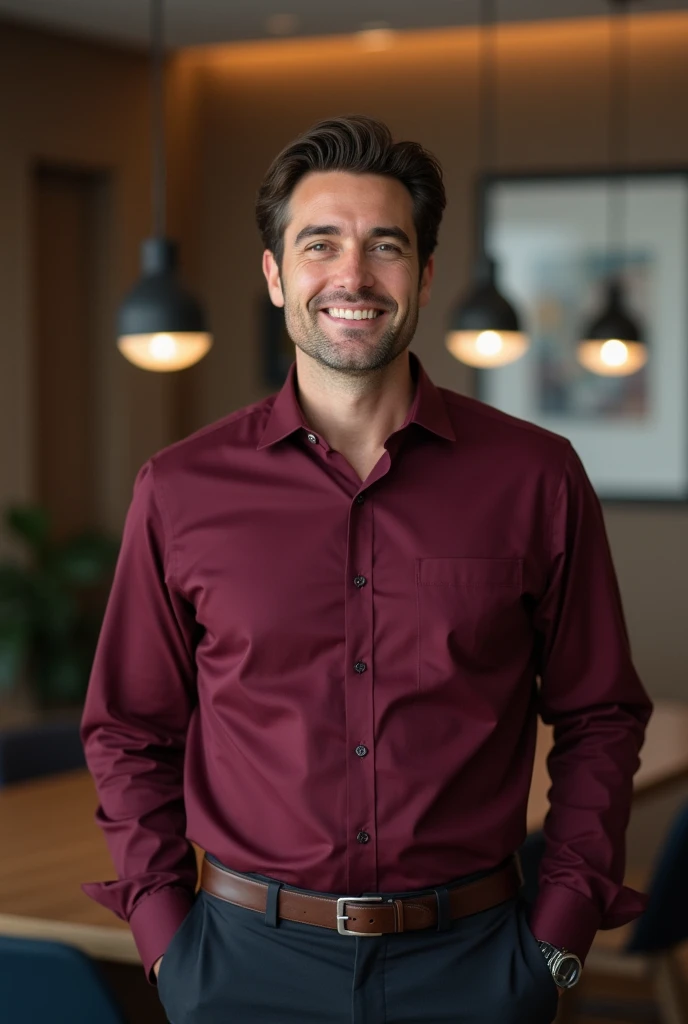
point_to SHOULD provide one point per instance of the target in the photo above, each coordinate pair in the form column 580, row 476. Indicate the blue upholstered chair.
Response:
column 664, row 925
column 51, row 983
column 44, row 748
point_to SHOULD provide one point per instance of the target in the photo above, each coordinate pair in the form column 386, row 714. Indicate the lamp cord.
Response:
column 617, row 142
column 158, row 117
column 486, row 106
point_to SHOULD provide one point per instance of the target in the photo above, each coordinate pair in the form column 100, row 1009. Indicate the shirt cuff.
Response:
column 154, row 921
column 565, row 919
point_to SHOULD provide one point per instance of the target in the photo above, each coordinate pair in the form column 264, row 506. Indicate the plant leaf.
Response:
column 62, row 678
column 16, row 595
column 86, row 561
column 56, row 611
column 31, row 523
column 13, row 647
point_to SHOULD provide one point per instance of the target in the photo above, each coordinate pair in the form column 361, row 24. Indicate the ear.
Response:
column 426, row 282
column 272, row 276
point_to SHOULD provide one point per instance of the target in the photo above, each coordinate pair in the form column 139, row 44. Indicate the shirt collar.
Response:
column 427, row 409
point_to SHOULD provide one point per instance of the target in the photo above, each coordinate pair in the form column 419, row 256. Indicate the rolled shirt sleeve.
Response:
column 140, row 699
column 591, row 694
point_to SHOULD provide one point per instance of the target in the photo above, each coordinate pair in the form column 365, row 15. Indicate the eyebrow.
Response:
column 331, row 229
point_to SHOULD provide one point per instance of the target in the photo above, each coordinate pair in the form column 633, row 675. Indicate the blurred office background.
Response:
column 77, row 420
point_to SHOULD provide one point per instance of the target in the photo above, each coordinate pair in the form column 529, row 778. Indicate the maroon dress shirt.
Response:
column 334, row 682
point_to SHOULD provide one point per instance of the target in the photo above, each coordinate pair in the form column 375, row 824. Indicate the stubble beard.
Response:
column 363, row 355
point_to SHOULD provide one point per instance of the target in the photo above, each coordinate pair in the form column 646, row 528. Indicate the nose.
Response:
column 353, row 272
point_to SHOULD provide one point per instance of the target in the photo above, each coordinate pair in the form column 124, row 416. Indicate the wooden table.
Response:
column 49, row 842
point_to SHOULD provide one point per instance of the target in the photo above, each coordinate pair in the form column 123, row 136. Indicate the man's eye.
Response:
column 318, row 247
column 388, row 247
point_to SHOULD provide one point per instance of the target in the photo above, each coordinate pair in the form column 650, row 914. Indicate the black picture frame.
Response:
column 549, row 232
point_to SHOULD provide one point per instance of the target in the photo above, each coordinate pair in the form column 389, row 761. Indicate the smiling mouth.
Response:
column 360, row 317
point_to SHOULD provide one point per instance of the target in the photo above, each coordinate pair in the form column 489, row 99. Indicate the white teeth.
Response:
column 354, row 314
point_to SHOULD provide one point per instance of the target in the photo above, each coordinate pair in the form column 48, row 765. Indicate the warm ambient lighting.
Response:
column 486, row 349
column 612, row 358
column 164, row 352
column 376, row 36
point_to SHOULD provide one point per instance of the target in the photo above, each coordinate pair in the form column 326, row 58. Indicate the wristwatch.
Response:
column 565, row 967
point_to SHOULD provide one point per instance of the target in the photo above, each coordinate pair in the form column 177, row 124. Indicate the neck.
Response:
column 354, row 413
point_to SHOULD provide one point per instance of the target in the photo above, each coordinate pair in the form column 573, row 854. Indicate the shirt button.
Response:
column 360, row 498
column 360, row 581
column 362, row 837
column 360, row 666
column 312, row 438
column 361, row 750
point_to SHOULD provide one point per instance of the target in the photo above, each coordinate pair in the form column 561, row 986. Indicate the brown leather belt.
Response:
column 367, row 915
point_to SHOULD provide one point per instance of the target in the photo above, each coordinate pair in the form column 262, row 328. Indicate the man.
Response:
column 335, row 618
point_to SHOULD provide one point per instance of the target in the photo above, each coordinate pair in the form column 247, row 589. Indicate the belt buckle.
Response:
column 342, row 917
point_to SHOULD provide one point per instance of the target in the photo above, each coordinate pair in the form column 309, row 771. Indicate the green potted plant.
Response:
column 51, row 607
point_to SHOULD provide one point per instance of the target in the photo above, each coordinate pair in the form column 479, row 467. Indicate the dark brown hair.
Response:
column 359, row 145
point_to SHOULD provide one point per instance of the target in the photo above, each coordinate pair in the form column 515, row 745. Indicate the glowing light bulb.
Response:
column 489, row 343
column 163, row 347
column 614, row 352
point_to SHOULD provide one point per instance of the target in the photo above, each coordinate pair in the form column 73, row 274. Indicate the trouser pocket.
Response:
column 176, row 975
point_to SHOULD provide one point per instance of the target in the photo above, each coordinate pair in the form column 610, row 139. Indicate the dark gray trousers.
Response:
column 229, row 965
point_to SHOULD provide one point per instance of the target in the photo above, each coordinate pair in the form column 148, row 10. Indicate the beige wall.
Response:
column 68, row 102
column 250, row 100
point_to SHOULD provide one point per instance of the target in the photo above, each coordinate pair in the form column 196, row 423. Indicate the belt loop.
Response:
column 443, row 909
column 272, row 906
column 398, row 915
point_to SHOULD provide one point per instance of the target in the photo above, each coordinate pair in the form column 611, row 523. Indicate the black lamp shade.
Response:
column 157, row 304
column 484, row 308
column 612, row 345
column 614, row 321
column 483, row 329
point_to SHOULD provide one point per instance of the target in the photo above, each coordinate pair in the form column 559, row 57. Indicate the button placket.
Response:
column 358, row 691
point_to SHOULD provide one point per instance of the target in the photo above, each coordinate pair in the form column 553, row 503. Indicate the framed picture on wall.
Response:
column 549, row 235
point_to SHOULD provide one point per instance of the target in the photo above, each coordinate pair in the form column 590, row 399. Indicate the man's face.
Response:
column 349, row 281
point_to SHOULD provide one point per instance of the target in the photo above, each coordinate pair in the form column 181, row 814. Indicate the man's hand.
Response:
column 156, row 966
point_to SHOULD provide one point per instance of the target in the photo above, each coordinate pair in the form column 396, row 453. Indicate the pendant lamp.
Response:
column 612, row 343
column 159, row 325
column 484, row 328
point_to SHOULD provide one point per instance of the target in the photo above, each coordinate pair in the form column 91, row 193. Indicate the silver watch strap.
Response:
column 555, row 956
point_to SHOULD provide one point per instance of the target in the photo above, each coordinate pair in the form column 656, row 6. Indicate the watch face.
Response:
column 567, row 972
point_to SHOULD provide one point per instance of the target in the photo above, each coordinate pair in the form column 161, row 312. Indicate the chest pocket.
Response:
column 471, row 621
